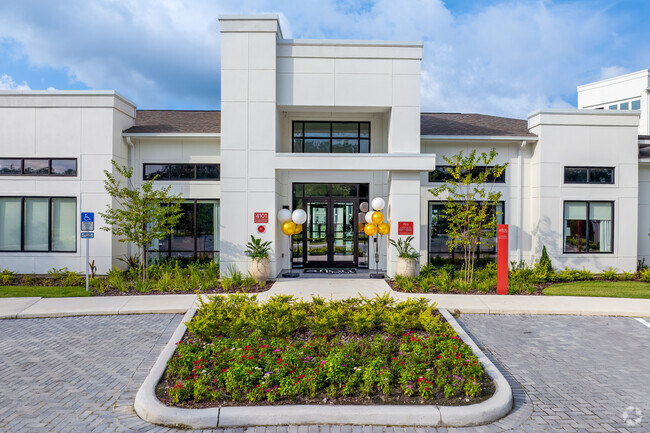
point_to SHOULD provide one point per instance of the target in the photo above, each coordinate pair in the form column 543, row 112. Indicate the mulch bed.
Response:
column 539, row 290
column 132, row 292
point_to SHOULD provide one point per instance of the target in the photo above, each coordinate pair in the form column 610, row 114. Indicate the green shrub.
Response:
column 626, row 276
column 57, row 274
column 7, row 276
column 72, row 279
column 609, row 274
column 143, row 286
column 545, row 261
column 644, row 275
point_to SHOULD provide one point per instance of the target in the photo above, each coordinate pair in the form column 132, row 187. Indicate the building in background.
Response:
column 322, row 126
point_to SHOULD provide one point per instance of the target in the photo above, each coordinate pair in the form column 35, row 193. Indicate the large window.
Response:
column 588, row 227
column 438, row 238
column 331, row 137
column 181, row 171
column 598, row 175
column 196, row 235
column 442, row 174
column 38, row 167
column 41, row 224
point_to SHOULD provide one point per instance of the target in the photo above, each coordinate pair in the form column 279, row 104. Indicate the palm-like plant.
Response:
column 404, row 248
column 257, row 249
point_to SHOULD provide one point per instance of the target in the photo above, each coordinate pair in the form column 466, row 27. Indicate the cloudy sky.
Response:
column 494, row 57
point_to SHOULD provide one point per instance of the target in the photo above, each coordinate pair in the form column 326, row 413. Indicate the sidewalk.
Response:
column 12, row 308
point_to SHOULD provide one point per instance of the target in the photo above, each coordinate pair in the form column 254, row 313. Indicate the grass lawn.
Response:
column 43, row 292
column 609, row 289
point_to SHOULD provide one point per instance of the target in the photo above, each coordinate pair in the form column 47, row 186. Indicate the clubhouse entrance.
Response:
column 331, row 237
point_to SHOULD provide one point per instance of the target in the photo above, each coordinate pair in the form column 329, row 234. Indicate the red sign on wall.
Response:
column 405, row 228
column 261, row 217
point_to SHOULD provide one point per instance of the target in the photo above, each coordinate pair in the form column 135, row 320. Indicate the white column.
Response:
column 403, row 205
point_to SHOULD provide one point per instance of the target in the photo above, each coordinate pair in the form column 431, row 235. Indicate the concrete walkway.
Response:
column 11, row 308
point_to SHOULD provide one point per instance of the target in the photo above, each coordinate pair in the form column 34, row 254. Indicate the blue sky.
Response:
column 493, row 57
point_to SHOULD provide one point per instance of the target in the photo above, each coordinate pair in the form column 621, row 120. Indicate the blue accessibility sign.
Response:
column 87, row 221
column 87, row 235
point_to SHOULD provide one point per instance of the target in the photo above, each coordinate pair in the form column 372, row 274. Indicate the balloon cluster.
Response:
column 292, row 221
column 375, row 219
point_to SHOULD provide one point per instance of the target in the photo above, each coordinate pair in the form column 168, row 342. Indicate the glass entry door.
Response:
column 331, row 233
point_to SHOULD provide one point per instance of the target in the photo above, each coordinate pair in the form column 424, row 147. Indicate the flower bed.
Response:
column 354, row 351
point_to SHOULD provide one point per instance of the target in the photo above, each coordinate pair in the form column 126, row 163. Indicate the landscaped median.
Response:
column 356, row 361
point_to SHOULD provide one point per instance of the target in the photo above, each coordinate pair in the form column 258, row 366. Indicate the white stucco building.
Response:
column 324, row 126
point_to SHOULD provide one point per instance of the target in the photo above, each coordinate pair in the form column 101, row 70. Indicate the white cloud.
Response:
column 8, row 83
column 612, row 71
column 506, row 58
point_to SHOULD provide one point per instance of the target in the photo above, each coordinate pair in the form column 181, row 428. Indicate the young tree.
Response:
column 142, row 214
column 470, row 206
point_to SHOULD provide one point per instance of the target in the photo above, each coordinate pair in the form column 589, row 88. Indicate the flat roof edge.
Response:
column 249, row 17
column 580, row 111
column 606, row 81
column 351, row 42
column 67, row 93
column 480, row 137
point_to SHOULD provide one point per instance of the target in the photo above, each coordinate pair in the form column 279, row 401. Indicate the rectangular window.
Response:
column 442, row 174
column 196, row 235
column 613, row 107
column 588, row 227
column 331, row 137
column 39, row 224
column 625, row 106
column 38, row 167
column 438, row 238
column 181, row 171
column 594, row 175
column 636, row 105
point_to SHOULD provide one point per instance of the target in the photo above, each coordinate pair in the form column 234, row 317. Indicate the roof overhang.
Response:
column 420, row 162
column 172, row 134
column 478, row 138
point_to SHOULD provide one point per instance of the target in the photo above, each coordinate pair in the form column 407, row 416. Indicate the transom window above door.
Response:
column 331, row 137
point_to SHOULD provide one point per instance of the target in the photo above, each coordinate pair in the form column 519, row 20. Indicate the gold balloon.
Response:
column 377, row 218
column 383, row 229
column 361, row 225
column 370, row 229
column 289, row 228
column 298, row 229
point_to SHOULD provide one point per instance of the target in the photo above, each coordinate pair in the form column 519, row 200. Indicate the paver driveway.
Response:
column 80, row 374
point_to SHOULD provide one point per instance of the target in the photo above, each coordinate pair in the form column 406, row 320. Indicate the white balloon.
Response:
column 363, row 207
column 378, row 203
column 284, row 215
column 299, row 216
column 369, row 217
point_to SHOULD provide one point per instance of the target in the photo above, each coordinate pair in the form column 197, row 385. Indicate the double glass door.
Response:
column 331, row 238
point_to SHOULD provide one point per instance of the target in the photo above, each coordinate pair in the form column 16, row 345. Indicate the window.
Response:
column 196, row 235
column 624, row 106
column 588, row 227
column 441, row 174
column 599, row 175
column 331, row 137
column 39, row 224
column 613, row 107
column 38, row 167
column 181, row 171
column 438, row 238
column 636, row 105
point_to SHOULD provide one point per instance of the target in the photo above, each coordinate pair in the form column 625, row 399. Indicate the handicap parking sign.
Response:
column 87, row 221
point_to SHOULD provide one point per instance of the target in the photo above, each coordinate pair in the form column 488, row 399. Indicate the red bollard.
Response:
column 502, row 259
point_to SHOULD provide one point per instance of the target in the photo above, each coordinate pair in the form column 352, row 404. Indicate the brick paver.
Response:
column 80, row 374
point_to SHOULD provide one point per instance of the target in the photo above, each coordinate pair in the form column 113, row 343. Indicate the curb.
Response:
column 150, row 409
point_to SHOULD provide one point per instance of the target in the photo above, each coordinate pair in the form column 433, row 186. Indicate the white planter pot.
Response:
column 260, row 270
column 406, row 267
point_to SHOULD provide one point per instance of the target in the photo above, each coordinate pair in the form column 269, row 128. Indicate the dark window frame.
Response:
column 167, row 254
column 331, row 135
column 444, row 175
column 169, row 178
column 452, row 254
column 587, row 220
column 49, row 167
column 589, row 168
column 49, row 225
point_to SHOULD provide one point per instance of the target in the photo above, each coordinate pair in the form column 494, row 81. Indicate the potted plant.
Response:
column 406, row 257
column 258, row 251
